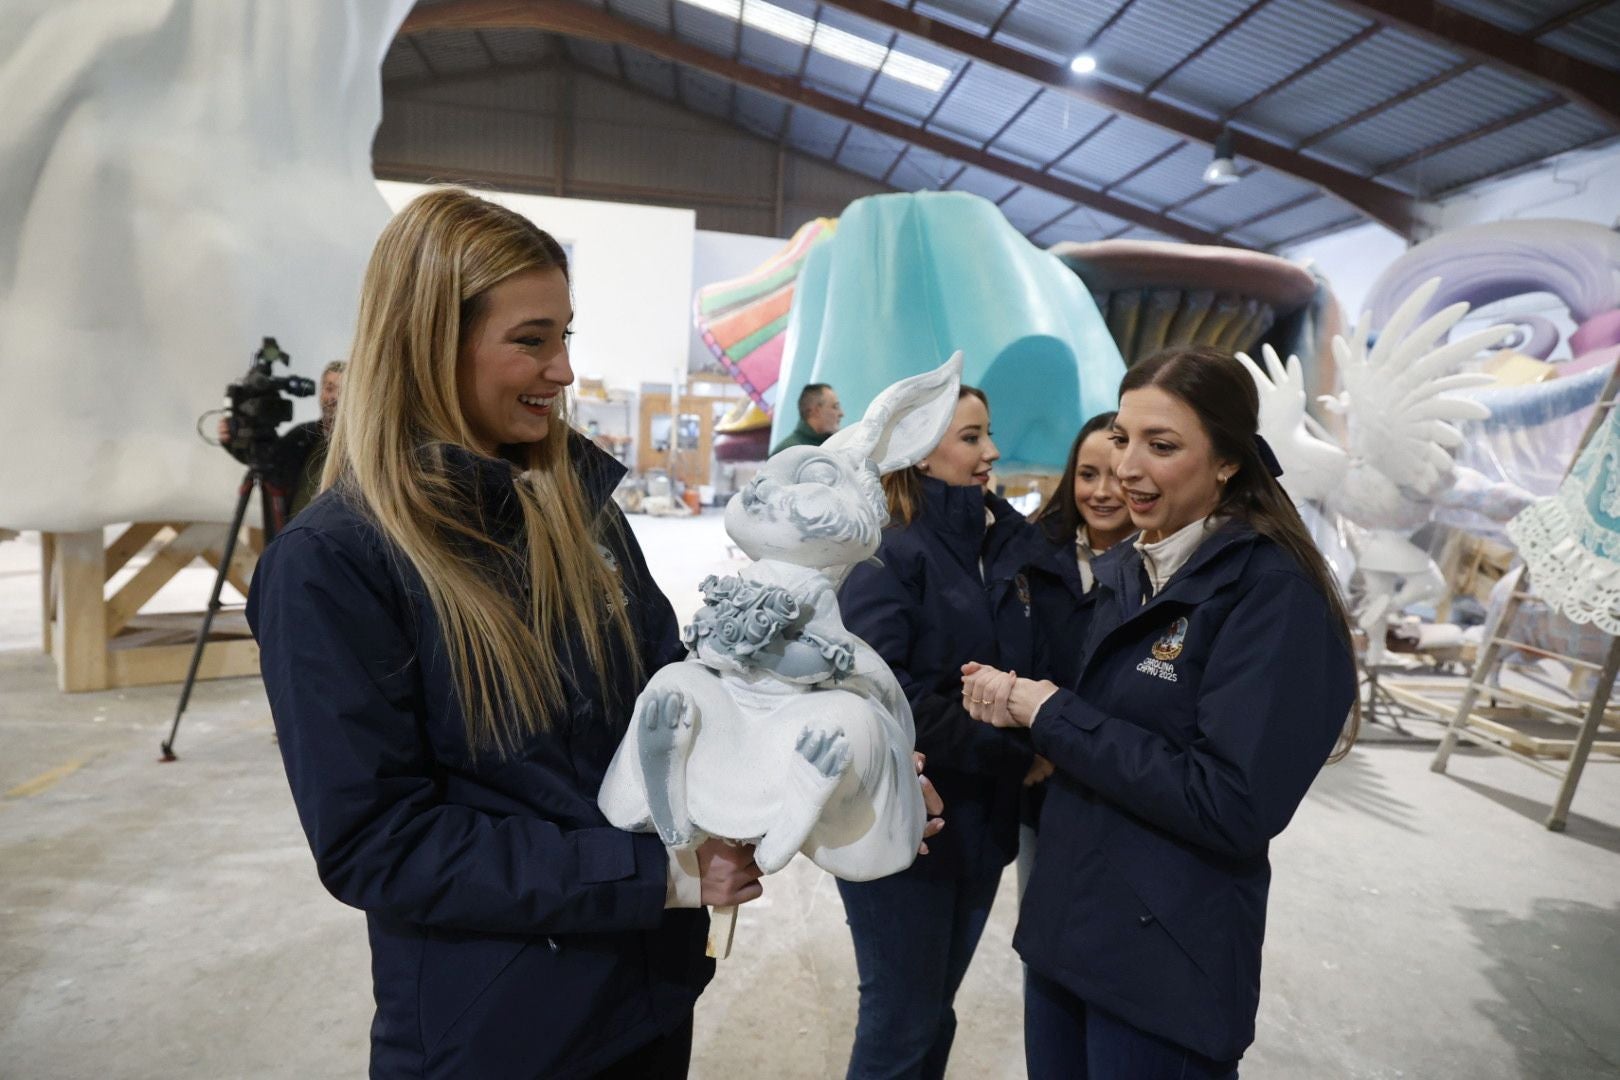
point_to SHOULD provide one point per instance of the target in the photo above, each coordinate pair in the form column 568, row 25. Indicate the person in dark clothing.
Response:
column 452, row 638
column 948, row 590
column 298, row 459
column 1216, row 679
column 1083, row 517
column 820, row 415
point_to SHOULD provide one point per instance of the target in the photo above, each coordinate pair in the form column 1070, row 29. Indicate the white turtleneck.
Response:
column 1083, row 554
column 1163, row 558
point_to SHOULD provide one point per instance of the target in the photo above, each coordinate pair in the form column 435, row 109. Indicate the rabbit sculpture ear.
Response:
column 905, row 422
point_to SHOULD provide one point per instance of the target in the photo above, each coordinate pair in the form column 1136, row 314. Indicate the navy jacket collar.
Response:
column 1217, row 562
column 490, row 480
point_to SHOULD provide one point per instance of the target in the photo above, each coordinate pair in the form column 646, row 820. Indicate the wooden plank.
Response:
column 81, row 629
column 47, row 589
column 175, row 556
column 156, row 665
column 242, row 563
column 130, row 543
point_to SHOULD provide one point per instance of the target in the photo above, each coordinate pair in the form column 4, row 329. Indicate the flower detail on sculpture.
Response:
column 738, row 618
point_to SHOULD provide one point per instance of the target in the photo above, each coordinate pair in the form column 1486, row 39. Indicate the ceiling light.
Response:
column 1222, row 169
column 838, row 44
column 1084, row 64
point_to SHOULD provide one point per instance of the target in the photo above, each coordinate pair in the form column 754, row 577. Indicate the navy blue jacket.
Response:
column 1198, row 723
column 927, row 611
column 514, row 933
column 1061, row 611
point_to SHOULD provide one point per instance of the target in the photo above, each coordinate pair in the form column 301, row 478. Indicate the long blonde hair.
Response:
column 424, row 294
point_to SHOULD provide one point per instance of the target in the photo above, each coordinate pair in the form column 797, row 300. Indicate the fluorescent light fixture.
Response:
column 1222, row 170
column 838, row 44
column 1084, row 64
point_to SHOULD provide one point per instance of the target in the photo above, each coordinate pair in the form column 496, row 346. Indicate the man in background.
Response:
column 819, row 416
column 299, row 456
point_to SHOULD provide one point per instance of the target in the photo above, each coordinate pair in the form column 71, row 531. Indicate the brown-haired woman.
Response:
column 1217, row 678
column 452, row 638
column 1084, row 516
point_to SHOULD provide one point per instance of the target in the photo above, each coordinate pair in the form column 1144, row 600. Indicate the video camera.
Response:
column 257, row 406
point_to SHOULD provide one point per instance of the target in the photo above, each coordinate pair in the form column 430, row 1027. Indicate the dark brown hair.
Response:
column 904, row 487
column 1059, row 516
column 1222, row 395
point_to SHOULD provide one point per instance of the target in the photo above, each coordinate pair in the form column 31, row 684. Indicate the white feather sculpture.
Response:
column 1399, row 407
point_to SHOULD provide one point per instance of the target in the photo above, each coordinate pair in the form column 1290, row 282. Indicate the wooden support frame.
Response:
column 101, row 641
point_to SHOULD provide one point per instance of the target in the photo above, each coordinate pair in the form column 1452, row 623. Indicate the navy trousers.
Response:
column 914, row 937
column 1066, row 1039
column 665, row 1058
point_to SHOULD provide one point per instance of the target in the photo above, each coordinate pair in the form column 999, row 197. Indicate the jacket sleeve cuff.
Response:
column 684, row 888
column 1057, row 723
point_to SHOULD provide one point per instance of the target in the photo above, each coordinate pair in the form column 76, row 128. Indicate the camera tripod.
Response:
column 271, row 516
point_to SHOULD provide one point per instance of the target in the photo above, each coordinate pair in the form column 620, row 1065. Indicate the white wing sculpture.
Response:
column 1398, row 406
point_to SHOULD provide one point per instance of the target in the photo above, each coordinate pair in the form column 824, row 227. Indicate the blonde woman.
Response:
column 452, row 637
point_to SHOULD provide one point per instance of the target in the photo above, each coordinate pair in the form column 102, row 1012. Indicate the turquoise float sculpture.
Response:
column 908, row 278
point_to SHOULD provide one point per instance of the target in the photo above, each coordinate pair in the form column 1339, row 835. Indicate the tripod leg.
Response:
column 243, row 496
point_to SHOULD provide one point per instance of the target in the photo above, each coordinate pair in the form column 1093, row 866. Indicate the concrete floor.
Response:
column 164, row 920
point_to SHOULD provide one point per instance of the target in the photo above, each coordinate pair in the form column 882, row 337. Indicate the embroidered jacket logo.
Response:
column 1166, row 649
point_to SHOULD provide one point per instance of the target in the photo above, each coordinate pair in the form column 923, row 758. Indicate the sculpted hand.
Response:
column 729, row 873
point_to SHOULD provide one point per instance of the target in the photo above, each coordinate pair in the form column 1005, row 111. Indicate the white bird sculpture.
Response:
column 1398, row 406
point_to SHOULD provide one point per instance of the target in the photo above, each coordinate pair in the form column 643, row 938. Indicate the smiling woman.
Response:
column 452, row 637
column 514, row 362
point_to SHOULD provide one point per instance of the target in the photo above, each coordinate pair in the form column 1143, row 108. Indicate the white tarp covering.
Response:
column 178, row 179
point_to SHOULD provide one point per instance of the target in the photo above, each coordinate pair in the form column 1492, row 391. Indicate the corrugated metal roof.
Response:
column 649, row 72
column 1047, row 127
column 1471, row 100
column 1379, row 69
column 760, row 113
column 1595, row 39
column 1081, row 225
column 1029, row 209
column 815, row 133
column 1279, row 39
column 1223, row 207
column 1154, row 36
column 869, row 153
column 1114, row 151
column 1351, row 110
column 1516, row 15
column 653, row 13
column 1525, row 143
column 981, row 103
column 1170, row 180
column 1307, row 218
column 981, row 182
column 1055, row 30
column 977, row 15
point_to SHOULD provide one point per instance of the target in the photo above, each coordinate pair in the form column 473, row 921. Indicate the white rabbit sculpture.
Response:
column 781, row 728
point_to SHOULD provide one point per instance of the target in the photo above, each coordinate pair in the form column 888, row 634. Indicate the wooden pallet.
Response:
column 102, row 641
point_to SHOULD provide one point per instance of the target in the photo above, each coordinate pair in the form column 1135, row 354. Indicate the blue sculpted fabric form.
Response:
column 908, row 279
column 1571, row 541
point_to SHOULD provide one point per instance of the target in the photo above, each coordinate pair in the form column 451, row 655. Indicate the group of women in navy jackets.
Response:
column 453, row 634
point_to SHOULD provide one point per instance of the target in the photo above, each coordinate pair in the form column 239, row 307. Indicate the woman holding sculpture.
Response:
column 948, row 590
column 1217, row 678
column 452, row 638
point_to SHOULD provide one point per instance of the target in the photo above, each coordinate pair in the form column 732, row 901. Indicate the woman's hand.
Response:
column 728, row 872
column 932, row 803
column 1040, row 770
column 1001, row 698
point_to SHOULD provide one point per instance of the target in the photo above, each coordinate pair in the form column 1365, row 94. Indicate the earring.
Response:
column 922, row 466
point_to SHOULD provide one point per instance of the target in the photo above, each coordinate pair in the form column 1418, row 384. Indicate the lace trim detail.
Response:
column 1573, row 580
